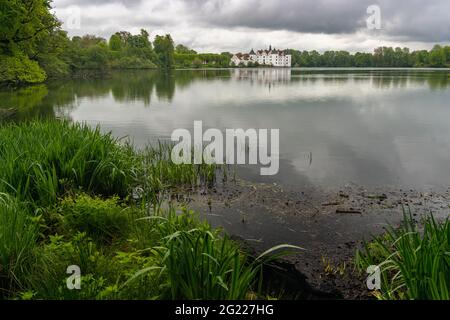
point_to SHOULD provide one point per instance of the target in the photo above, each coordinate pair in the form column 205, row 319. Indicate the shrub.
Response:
column 133, row 63
column 103, row 273
column 101, row 220
column 48, row 278
column 20, row 69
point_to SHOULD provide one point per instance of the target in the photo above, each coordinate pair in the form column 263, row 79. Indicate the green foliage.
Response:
column 181, row 49
column 51, row 53
column 132, row 51
column 101, row 220
column 205, row 60
column 115, row 42
column 414, row 263
column 437, row 57
column 18, row 233
column 24, row 26
column 386, row 57
column 47, row 278
column 134, row 252
column 133, row 63
column 161, row 172
column 200, row 264
column 23, row 23
column 164, row 49
column 41, row 160
column 20, row 69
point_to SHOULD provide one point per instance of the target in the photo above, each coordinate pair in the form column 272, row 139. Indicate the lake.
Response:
column 371, row 127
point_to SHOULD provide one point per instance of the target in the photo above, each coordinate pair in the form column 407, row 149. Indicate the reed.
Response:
column 41, row 160
column 202, row 263
column 18, row 234
column 414, row 260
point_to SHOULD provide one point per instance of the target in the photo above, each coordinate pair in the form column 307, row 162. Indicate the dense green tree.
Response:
column 164, row 49
column 23, row 22
column 19, row 69
column 382, row 57
column 52, row 54
column 115, row 42
column 437, row 57
column 181, row 49
column 24, row 25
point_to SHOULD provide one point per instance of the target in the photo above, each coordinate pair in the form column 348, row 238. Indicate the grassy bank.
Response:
column 414, row 260
column 70, row 195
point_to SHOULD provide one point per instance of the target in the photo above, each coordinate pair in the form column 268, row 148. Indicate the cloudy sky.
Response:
column 239, row 25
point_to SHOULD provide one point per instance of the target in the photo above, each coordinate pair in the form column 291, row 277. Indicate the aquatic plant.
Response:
column 414, row 260
column 18, row 234
column 202, row 263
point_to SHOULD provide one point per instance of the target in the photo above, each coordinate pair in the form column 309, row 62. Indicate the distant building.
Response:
column 271, row 57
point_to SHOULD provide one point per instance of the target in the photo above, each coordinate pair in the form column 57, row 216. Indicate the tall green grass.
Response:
column 159, row 177
column 414, row 261
column 202, row 263
column 18, row 234
column 41, row 160
column 97, row 197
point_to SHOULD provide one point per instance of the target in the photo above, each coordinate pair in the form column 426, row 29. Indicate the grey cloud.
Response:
column 407, row 19
column 415, row 21
column 66, row 3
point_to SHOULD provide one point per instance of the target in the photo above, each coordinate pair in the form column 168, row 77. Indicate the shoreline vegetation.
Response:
column 34, row 48
column 70, row 195
column 413, row 260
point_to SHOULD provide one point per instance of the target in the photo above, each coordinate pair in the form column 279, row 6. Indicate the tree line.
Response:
column 33, row 48
column 382, row 57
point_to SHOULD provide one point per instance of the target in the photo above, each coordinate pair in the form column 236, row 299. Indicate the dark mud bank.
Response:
column 329, row 224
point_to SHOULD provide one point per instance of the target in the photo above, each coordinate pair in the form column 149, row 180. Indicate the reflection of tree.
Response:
column 139, row 86
column 165, row 86
column 184, row 78
column 128, row 86
column 23, row 99
column 381, row 79
column 439, row 81
column 25, row 102
column 387, row 81
column 133, row 86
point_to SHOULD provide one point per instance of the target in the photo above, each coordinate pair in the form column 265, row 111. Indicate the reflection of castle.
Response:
column 271, row 57
column 263, row 76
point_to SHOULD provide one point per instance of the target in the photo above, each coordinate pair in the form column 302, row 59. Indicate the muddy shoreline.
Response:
column 330, row 224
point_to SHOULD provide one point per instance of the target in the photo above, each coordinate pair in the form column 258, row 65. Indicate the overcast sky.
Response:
column 239, row 25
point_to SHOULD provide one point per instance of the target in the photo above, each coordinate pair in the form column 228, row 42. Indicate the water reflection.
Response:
column 365, row 126
column 263, row 76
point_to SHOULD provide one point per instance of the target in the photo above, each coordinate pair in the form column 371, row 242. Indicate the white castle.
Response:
column 271, row 57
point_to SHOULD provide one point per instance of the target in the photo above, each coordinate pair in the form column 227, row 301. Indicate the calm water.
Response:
column 369, row 127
